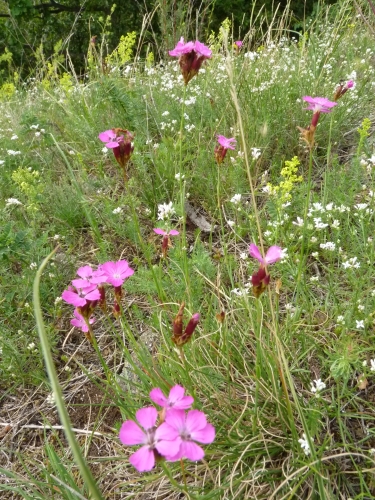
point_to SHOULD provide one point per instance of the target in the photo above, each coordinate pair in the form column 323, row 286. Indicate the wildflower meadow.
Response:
column 187, row 287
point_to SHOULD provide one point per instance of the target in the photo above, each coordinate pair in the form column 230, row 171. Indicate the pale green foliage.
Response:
column 290, row 178
column 124, row 51
column 28, row 181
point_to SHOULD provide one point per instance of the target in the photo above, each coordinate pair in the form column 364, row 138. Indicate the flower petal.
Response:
column 191, row 451
column 173, row 232
column 157, row 396
column 131, row 434
column 255, row 253
column 195, row 421
column 143, row 459
column 147, row 417
column 273, row 254
column 205, row 435
column 157, row 230
column 175, row 418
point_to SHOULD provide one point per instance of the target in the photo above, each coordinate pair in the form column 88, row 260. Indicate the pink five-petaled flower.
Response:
column 176, row 398
column 156, row 441
column 191, row 427
column 222, row 148
column 261, row 278
column 166, row 243
column 79, row 321
column 81, row 296
column 238, row 44
column 88, row 277
column 317, row 105
column 120, row 141
column 273, row 254
column 111, row 139
column 191, row 56
column 116, row 272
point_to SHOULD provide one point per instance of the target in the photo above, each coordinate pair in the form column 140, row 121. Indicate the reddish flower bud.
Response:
column 189, row 330
column 177, row 322
column 260, row 281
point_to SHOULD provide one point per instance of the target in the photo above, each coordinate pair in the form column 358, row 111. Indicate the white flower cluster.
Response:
column 351, row 263
column 317, row 386
column 305, row 444
column 165, row 211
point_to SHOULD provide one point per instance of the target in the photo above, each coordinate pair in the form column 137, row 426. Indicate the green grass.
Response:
column 251, row 373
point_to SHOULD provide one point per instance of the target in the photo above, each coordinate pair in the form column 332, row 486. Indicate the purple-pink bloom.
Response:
column 116, row 272
column 319, row 104
column 160, row 231
column 110, row 138
column 191, row 427
column 273, row 254
column 202, row 50
column 226, row 143
column 349, row 84
column 176, row 398
column 88, row 277
column 182, row 48
column 239, row 43
column 79, row 321
column 81, row 296
column 155, row 440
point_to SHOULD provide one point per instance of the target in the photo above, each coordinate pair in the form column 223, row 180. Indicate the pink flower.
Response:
column 191, row 427
column 319, row 104
column 166, row 243
column 182, row 48
column 110, row 138
column 239, row 43
column 80, row 322
column 224, row 145
column 191, row 56
column 116, row 272
column 81, row 296
column 176, row 398
column 273, row 254
column 227, row 143
column 162, row 440
column 349, row 84
column 342, row 89
column 88, row 277
column 172, row 232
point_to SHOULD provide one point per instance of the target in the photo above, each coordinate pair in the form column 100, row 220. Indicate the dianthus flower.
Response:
column 317, row 105
column 155, row 441
column 222, row 148
column 176, row 398
column 261, row 278
column 191, row 56
column 191, row 428
column 116, row 273
column 88, row 277
column 80, row 322
column 166, row 243
column 80, row 297
column 121, row 142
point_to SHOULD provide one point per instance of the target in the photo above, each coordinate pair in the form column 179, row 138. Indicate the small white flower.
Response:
column 313, row 239
column 104, row 150
column 244, row 256
column 14, row 137
column 165, row 211
column 372, row 363
column 255, row 153
column 50, row 399
column 117, row 210
column 166, row 113
column 56, row 237
column 340, row 320
column 231, row 223
column 361, row 307
column 359, row 324
column 315, row 255
column 335, row 224
column 328, row 246
column 58, row 300
column 37, row 134
column 298, row 222
column 31, row 346
column 314, row 278
column 319, row 386
column 267, row 233
column 13, row 153
column 236, row 199
column 34, row 127
column 33, row 265
column 179, row 177
column 12, row 201
column 305, row 444
column 67, row 368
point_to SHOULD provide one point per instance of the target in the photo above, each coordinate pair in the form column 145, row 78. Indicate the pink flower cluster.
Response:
column 174, row 437
column 224, row 144
column 191, row 56
column 88, row 291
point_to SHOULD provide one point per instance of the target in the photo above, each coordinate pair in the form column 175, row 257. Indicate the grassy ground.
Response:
column 252, row 364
